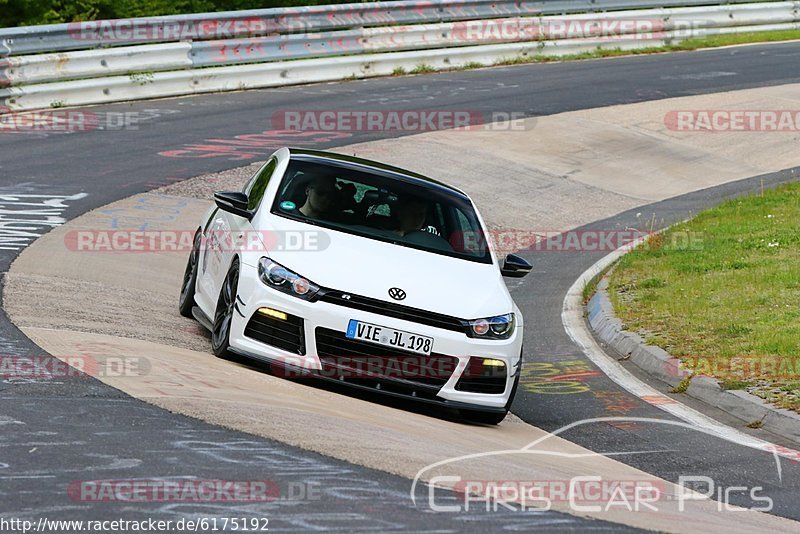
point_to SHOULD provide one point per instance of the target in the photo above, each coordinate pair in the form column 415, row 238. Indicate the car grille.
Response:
column 397, row 311
column 284, row 334
column 391, row 369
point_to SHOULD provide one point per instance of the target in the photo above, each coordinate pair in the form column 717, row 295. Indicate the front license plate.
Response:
column 389, row 337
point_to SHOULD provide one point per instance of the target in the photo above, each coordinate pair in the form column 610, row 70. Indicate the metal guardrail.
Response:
column 184, row 67
column 451, row 34
column 95, row 63
column 262, row 22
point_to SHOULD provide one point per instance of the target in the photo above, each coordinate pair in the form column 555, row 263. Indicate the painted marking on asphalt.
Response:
column 658, row 400
column 575, row 326
column 148, row 209
column 252, row 146
column 557, row 378
column 7, row 420
column 25, row 216
column 700, row 75
column 616, row 402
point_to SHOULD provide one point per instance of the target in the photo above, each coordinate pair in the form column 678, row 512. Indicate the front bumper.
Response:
column 331, row 319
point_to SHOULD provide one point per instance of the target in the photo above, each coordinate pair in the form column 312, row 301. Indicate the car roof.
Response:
column 388, row 171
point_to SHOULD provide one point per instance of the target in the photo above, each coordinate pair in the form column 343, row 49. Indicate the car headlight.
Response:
column 499, row 327
column 279, row 277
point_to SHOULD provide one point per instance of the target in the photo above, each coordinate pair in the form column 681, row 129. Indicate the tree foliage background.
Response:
column 31, row 12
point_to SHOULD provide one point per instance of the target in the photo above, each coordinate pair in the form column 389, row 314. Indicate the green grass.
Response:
column 422, row 68
column 740, row 38
column 683, row 385
column 733, row 384
column 735, row 293
column 591, row 288
column 758, row 423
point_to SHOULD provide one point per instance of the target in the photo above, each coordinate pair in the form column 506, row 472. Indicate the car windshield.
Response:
column 383, row 208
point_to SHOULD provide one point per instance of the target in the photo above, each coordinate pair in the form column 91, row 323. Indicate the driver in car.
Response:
column 411, row 215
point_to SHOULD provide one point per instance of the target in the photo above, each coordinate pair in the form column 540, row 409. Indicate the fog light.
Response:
column 488, row 362
column 273, row 313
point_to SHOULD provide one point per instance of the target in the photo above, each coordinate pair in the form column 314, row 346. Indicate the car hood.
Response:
column 367, row 267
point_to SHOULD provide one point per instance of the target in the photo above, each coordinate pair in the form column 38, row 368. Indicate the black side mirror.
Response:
column 515, row 267
column 233, row 202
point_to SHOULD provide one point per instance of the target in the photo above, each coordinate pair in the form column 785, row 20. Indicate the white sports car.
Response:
column 347, row 269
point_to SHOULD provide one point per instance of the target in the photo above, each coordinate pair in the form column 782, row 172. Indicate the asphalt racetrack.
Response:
column 59, row 431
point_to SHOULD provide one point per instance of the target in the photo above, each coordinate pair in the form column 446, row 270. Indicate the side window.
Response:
column 439, row 221
column 258, row 184
column 471, row 237
column 463, row 222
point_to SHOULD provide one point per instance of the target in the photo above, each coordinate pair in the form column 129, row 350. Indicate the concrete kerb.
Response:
column 659, row 364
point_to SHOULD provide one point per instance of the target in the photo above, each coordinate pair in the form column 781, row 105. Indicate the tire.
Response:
column 488, row 418
column 186, row 301
column 223, row 316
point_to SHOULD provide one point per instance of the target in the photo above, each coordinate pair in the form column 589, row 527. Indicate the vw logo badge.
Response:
column 396, row 293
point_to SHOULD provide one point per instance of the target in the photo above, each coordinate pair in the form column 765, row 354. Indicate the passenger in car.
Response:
column 325, row 201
